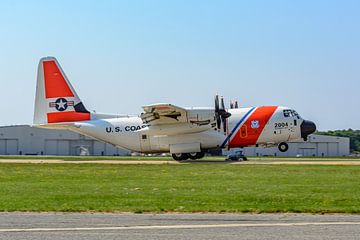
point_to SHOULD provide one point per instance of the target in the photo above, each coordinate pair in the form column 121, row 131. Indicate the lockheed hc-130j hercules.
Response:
column 184, row 132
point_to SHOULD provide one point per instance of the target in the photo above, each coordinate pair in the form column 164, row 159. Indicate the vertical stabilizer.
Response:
column 56, row 100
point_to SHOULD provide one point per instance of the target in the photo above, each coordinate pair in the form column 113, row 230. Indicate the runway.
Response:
column 160, row 162
column 177, row 226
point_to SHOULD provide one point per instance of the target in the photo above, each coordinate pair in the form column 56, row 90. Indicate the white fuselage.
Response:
column 246, row 127
column 163, row 127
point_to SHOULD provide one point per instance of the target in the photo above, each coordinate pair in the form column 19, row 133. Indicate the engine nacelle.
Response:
column 201, row 116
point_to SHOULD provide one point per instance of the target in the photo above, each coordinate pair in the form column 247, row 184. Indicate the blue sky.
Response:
column 120, row 55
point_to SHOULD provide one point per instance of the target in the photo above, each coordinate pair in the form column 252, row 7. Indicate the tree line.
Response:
column 354, row 136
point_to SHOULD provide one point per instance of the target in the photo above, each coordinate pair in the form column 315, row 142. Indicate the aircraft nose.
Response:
column 307, row 128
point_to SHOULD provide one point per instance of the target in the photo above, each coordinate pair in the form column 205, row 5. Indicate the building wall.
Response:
column 26, row 140
column 317, row 145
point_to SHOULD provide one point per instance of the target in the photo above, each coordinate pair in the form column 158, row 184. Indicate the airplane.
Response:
column 165, row 128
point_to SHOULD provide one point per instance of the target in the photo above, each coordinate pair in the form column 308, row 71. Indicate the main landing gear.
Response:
column 184, row 156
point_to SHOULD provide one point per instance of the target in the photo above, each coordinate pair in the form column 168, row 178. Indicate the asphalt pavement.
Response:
column 58, row 226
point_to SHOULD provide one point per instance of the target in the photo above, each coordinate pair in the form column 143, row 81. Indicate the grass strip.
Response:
column 180, row 188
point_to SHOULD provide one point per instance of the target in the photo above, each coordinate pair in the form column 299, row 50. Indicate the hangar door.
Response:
column 81, row 147
column 333, row 149
column 9, row 147
column 2, row 147
column 57, row 147
column 307, row 151
column 101, row 148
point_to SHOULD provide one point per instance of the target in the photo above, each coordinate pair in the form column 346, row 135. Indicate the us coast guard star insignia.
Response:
column 255, row 124
column 61, row 104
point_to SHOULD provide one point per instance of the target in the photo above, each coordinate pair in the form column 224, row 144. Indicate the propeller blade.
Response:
column 222, row 103
column 217, row 112
column 224, row 122
column 231, row 105
column 218, row 122
column 216, row 103
column 236, row 104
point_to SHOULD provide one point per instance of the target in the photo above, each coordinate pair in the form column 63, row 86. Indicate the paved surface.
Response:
column 292, row 162
column 89, row 226
column 56, row 161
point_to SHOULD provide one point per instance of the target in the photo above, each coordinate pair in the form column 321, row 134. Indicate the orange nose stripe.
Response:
column 250, row 132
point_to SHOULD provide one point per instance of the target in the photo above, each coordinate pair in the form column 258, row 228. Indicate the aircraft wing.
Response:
column 157, row 114
column 168, row 119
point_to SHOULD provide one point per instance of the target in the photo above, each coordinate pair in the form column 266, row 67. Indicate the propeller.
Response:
column 220, row 113
column 234, row 104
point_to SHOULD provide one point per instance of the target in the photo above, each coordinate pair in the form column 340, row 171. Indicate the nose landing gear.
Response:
column 283, row 147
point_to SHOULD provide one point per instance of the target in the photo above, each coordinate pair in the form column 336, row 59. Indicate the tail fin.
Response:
column 56, row 100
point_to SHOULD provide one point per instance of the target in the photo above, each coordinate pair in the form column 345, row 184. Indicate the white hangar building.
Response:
column 316, row 145
column 26, row 140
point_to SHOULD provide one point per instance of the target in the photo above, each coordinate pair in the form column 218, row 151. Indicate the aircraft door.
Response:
column 145, row 143
column 243, row 131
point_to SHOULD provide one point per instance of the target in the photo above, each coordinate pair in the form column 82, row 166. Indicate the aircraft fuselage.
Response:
column 267, row 125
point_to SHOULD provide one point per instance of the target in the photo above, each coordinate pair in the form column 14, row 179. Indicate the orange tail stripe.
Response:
column 55, row 84
column 67, row 117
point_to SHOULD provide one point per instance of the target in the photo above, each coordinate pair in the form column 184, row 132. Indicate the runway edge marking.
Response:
column 149, row 227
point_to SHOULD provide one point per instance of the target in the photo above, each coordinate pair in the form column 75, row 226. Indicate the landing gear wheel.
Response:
column 283, row 147
column 197, row 155
column 180, row 156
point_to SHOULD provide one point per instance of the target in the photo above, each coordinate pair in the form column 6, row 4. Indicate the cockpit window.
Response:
column 295, row 114
column 287, row 112
column 290, row 113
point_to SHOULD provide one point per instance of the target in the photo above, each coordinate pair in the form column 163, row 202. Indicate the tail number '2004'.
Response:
column 281, row 125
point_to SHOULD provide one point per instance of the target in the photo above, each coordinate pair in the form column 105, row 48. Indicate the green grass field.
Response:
column 180, row 188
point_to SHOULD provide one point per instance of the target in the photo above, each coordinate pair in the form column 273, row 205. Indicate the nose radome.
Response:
column 307, row 128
